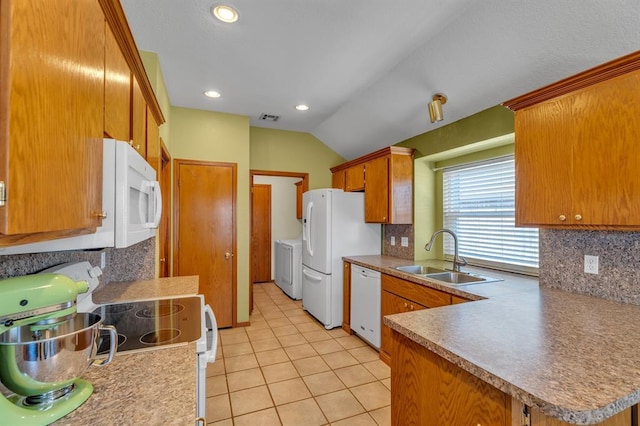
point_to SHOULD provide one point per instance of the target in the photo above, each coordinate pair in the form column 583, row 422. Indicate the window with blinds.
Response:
column 479, row 206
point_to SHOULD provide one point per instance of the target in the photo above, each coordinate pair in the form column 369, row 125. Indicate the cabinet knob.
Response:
column 562, row 218
column 411, row 307
column 163, row 260
column 101, row 215
column 227, row 255
column 578, row 217
column 136, row 147
column 406, row 304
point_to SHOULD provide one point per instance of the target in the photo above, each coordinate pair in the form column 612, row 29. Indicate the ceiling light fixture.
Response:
column 435, row 107
column 302, row 107
column 212, row 94
column 225, row 13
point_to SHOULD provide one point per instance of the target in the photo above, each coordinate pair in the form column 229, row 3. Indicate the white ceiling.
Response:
column 368, row 68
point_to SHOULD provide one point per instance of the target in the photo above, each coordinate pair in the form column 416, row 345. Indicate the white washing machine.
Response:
column 289, row 267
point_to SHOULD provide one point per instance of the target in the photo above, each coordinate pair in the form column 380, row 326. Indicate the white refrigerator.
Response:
column 332, row 227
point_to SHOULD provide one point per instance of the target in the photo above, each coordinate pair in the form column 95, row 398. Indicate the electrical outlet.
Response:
column 393, row 241
column 404, row 241
column 590, row 264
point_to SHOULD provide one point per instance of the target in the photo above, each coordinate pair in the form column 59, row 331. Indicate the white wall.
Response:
column 284, row 225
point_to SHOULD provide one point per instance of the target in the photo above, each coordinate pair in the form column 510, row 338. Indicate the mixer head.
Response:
column 39, row 299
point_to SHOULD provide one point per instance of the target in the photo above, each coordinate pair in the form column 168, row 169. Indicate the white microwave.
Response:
column 131, row 200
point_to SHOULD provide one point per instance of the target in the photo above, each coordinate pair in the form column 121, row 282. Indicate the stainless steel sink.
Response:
column 419, row 269
column 460, row 278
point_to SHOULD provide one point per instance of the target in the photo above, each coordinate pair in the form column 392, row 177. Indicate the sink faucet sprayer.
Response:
column 457, row 260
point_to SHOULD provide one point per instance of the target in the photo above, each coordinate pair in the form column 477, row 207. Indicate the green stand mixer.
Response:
column 45, row 345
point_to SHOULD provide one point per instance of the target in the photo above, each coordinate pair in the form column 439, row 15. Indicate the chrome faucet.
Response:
column 457, row 260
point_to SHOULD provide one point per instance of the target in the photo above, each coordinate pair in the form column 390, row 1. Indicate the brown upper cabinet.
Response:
column 138, row 119
column 117, row 91
column 51, row 117
column 576, row 150
column 387, row 182
column 354, row 178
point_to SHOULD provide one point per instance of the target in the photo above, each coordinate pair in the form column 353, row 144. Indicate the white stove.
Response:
column 145, row 325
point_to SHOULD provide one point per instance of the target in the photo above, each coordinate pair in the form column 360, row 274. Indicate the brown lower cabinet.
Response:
column 399, row 296
column 426, row 389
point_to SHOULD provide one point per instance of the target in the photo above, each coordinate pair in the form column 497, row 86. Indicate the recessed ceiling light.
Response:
column 212, row 94
column 302, row 107
column 225, row 13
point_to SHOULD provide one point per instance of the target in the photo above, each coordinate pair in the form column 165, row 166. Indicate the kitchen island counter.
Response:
column 148, row 387
column 573, row 356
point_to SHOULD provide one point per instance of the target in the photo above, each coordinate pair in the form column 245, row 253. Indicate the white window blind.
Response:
column 479, row 206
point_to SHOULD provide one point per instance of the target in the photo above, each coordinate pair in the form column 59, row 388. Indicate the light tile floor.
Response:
column 286, row 369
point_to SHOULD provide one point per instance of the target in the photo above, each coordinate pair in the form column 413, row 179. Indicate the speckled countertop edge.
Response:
column 567, row 354
column 133, row 388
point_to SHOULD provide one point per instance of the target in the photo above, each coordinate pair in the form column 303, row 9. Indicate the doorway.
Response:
column 296, row 184
column 205, row 232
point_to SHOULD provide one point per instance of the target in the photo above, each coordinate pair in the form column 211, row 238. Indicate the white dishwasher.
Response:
column 365, row 304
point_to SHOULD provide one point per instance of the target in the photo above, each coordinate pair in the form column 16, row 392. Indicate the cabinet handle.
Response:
column 578, row 217
column 406, row 304
column 3, row 193
column 411, row 307
column 562, row 218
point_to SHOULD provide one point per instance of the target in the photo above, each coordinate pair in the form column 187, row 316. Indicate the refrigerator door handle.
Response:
column 311, row 277
column 306, row 227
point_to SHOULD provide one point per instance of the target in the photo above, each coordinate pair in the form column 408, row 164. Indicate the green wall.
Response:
column 212, row 136
column 286, row 151
column 484, row 135
column 152, row 67
column 483, row 126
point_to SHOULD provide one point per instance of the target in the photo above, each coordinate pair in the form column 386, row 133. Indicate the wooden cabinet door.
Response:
column 346, row 299
column 138, row 118
column 299, row 191
column 117, row 91
column 606, row 154
column 355, row 178
column 393, row 304
column 429, row 390
column 543, row 163
column 51, row 115
column 376, row 195
column 153, row 142
column 337, row 180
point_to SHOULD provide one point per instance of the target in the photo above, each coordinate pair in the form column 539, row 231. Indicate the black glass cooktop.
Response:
column 151, row 323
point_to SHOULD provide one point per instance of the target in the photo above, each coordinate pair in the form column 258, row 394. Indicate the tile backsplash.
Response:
column 562, row 263
column 132, row 263
column 398, row 231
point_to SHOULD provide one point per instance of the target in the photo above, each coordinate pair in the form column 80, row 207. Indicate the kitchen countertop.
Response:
column 147, row 387
column 574, row 357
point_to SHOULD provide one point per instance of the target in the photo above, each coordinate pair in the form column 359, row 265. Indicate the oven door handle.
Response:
column 212, row 351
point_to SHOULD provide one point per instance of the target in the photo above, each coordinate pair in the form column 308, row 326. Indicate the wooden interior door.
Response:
column 165, row 223
column 261, row 233
column 205, row 232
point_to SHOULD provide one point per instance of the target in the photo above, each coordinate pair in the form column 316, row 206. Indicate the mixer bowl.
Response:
column 42, row 359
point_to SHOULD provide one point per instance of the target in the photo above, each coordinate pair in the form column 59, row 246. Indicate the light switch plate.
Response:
column 590, row 264
column 393, row 241
column 404, row 241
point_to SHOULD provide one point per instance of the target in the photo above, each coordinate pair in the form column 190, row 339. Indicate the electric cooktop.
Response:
column 152, row 323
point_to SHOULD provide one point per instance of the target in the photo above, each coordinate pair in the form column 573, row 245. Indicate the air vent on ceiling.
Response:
column 269, row 117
